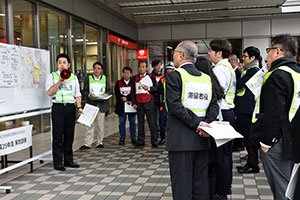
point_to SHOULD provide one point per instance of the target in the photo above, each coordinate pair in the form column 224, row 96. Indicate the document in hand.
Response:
column 290, row 191
column 147, row 81
column 129, row 108
column 222, row 132
column 255, row 82
column 89, row 114
column 104, row 97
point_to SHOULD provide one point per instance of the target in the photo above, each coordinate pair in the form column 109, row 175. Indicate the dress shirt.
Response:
column 224, row 78
column 50, row 83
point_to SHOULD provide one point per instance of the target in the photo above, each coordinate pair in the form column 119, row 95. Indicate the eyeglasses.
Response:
column 178, row 51
column 244, row 56
column 269, row 49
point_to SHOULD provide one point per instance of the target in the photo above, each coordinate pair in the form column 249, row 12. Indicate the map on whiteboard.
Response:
column 23, row 67
column 23, row 73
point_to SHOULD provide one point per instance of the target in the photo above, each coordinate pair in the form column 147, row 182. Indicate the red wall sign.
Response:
column 122, row 42
column 142, row 54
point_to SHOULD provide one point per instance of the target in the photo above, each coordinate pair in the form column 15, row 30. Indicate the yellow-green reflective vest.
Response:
column 66, row 91
column 97, row 87
column 230, row 94
column 296, row 97
column 242, row 93
column 196, row 92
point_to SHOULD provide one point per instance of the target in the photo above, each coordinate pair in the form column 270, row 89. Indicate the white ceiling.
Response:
column 153, row 12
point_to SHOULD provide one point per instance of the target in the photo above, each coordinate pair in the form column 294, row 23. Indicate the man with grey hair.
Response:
column 191, row 103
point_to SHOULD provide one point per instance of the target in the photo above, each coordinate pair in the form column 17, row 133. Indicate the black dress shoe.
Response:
column 133, row 141
column 162, row 141
column 241, row 167
column 72, row 165
column 122, row 141
column 137, row 145
column 154, row 145
column 249, row 170
column 220, row 197
column 101, row 146
column 84, row 147
column 60, row 168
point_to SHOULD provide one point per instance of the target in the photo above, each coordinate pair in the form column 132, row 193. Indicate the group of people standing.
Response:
column 199, row 169
column 185, row 99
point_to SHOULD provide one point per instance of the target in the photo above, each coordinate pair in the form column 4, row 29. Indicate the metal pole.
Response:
column 9, row 22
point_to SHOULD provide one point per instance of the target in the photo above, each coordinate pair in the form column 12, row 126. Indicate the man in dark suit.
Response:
column 188, row 108
column 142, row 100
column 277, row 104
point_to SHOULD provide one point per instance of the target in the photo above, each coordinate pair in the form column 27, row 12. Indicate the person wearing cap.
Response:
column 65, row 93
column 96, row 84
column 163, row 114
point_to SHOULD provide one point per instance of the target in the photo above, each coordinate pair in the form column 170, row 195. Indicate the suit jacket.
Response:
column 149, row 105
column 119, row 103
column 182, row 122
column 245, row 104
column 275, row 102
column 103, row 105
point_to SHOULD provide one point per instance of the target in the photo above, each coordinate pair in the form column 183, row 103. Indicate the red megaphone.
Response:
column 65, row 74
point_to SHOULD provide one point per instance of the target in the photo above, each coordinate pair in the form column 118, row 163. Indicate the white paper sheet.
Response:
column 104, row 97
column 255, row 82
column 289, row 194
column 89, row 114
column 222, row 132
column 147, row 81
column 129, row 108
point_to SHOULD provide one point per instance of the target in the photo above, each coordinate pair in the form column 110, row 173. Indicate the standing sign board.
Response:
column 15, row 139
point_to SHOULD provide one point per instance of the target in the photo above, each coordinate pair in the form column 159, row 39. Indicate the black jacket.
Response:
column 275, row 102
column 103, row 105
column 182, row 122
column 119, row 103
column 156, row 94
column 149, row 105
column 245, row 104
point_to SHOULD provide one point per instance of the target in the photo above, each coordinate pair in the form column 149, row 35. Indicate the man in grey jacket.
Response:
column 191, row 102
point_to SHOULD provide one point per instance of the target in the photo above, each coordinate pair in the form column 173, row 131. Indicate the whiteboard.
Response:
column 23, row 73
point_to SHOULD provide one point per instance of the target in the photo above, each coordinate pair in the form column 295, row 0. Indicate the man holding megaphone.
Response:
column 63, row 87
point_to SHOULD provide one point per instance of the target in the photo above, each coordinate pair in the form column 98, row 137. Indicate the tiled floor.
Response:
column 120, row 173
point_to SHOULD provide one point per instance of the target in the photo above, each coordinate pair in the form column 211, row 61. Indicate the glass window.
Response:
column 91, row 47
column 23, row 23
column 3, row 37
column 53, row 30
column 77, row 47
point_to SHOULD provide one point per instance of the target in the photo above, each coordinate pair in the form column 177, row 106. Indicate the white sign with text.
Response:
column 15, row 139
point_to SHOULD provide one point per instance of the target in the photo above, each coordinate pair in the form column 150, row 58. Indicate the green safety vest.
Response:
column 196, row 92
column 97, row 87
column 242, row 93
column 296, row 97
column 66, row 91
column 230, row 94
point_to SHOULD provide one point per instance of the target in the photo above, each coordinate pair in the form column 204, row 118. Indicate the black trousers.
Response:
column 189, row 174
column 223, row 165
column 244, row 125
column 150, row 114
column 63, row 125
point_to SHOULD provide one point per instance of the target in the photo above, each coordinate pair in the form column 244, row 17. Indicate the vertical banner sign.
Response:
column 15, row 139
column 142, row 54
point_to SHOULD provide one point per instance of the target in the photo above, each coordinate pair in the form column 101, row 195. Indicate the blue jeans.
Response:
column 122, row 127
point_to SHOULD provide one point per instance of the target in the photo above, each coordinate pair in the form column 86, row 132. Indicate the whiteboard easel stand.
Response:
column 39, row 157
column 24, row 162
